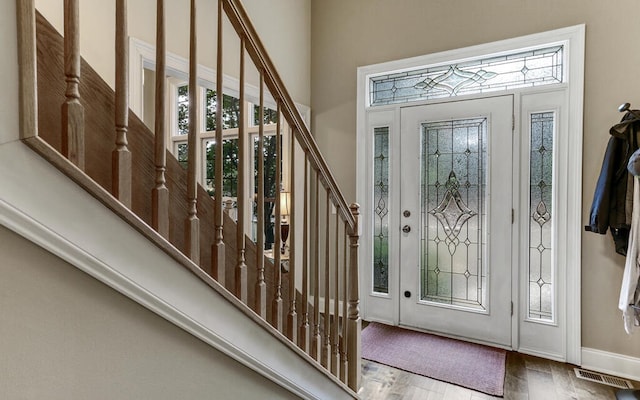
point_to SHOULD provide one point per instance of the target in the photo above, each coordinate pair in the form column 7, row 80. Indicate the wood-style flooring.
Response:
column 527, row 377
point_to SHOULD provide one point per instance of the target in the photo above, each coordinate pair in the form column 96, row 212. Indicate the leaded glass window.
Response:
column 381, row 211
column 520, row 69
column 541, row 270
column 453, row 212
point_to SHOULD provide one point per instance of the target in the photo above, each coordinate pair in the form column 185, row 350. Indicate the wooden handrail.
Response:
column 244, row 28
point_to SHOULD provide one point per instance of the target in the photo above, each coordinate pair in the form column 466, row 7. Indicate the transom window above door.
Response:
column 495, row 73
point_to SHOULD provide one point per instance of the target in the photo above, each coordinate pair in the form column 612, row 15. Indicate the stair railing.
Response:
column 321, row 314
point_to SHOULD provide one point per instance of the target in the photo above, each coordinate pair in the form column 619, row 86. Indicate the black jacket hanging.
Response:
column 612, row 201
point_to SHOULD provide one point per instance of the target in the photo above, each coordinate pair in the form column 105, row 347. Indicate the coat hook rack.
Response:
column 626, row 107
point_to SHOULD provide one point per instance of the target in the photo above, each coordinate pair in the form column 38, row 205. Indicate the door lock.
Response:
column 406, row 213
column 406, row 229
column 407, row 294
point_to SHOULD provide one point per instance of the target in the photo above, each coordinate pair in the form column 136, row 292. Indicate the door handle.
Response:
column 406, row 229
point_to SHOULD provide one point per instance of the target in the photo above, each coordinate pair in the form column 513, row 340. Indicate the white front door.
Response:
column 456, row 178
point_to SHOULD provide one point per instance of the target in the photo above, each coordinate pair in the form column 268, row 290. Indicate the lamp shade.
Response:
column 285, row 201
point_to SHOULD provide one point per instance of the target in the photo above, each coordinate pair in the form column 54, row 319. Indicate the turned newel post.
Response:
column 72, row 110
column 354, row 322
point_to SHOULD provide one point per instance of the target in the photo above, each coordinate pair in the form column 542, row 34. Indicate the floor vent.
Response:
column 602, row 378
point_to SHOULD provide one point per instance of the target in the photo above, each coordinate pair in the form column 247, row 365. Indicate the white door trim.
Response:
column 570, row 257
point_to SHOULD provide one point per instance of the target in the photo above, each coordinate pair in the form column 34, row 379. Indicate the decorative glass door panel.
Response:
column 452, row 206
column 381, row 211
column 456, row 196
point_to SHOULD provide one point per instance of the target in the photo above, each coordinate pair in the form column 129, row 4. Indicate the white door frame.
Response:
column 570, row 174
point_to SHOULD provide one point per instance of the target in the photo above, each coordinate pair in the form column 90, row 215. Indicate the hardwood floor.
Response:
column 527, row 377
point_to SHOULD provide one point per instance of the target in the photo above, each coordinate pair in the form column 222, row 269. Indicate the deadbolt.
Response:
column 406, row 229
column 407, row 294
column 406, row 213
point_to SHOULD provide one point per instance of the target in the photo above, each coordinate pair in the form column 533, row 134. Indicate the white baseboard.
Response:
column 611, row 363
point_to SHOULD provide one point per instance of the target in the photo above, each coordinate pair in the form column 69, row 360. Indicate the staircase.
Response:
column 305, row 315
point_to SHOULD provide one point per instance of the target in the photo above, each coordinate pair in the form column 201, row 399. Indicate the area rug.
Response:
column 470, row 365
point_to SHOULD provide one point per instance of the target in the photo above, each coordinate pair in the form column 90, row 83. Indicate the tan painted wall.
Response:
column 284, row 26
column 67, row 336
column 353, row 33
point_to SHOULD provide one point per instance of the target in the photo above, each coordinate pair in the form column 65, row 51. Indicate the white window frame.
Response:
column 142, row 56
column 173, row 84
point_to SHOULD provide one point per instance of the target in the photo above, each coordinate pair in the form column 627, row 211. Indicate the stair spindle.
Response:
column 121, row 156
column 277, row 305
column 303, row 338
column 72, row 109
column 261, row 286
column 335, row 356
column 316, row 343
column 217, row 251
column 343, row 320
column 326, row 348
column 292, row 317
column 160, row 193
column 241, row 267
column 192, row 225
column 26, row 13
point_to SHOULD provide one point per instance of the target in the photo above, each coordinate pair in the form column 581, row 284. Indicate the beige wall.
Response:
column 349, row 34
column 67, row 336
column 284, row 26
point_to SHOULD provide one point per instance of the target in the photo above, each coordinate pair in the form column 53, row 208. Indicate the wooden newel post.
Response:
column 72, row 110
column 354, row 322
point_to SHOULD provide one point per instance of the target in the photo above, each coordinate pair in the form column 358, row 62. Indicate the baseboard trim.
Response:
column 611, row 363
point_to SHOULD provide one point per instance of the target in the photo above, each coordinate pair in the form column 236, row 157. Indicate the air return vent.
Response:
column 602, row 378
